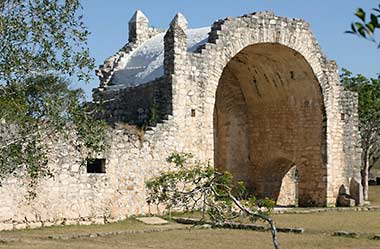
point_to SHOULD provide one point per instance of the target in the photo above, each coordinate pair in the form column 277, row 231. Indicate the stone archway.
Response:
column 288, row 194
column 269, row 116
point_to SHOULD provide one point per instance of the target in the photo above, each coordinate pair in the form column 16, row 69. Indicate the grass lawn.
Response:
column 201, row 239
column 130, row 224
column 318, row 230
column 328, row 222
column 374, row 195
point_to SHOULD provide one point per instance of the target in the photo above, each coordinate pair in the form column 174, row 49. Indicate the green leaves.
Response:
column 39, row 111
column 41, row 41
column 199, row 187
column 39, row 37
column 368, row 91
column 360, row 13
column 369, row 94
column 366, row 27
column 179, row 159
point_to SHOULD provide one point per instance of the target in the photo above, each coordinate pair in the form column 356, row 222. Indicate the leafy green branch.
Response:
column 37, row 112
column 41, row 43
column 368, row 91
column 39, row 37
column 189, row 188
column 367, row 24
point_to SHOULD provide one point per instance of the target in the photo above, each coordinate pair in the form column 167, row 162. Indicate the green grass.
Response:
column 318, row 230
column 201, row 239
column 374, row 195
column 130, row 224
column 328, row 222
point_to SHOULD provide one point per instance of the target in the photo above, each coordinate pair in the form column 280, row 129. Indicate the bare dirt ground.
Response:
column 318, row 234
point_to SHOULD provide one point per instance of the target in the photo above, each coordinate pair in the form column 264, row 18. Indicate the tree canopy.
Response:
column 368, row 91
column 42, row 44
column 368, row 24
column 39, row 37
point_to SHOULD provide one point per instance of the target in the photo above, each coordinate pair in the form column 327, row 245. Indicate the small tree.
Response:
column 369, row 119
column 41, row 42
column 200, row 187
column 41, row 110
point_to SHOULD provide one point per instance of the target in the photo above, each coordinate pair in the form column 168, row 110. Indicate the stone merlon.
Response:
column 138, row 27
column 179, row 21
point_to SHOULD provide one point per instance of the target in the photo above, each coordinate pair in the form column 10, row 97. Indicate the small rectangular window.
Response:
column 193, row 112
column 96, row 165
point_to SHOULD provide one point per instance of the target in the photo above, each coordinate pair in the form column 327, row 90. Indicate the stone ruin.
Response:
column 254, row 95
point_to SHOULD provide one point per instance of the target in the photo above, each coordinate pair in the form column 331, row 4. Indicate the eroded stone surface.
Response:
column 258, row 98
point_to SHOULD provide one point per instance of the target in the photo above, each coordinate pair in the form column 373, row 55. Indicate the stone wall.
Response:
column 74, row 196
column 231, row 36
column 134, row 105
column 312, row 123
column 352, row 147
column 244, row 46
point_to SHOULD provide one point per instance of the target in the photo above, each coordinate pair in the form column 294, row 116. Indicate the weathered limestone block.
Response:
column 356, row 191
column 345, row 200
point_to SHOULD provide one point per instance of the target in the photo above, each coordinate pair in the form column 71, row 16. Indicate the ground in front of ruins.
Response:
column 318, row 234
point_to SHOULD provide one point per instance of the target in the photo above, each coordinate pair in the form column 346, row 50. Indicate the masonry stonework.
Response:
column 254, row 95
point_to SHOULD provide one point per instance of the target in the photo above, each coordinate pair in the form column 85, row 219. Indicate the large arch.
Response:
column 269, row 116
column 288, row 42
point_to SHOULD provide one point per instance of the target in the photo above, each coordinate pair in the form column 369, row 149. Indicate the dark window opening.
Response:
column 193, row 112
column 292, row 75
column 96, row 165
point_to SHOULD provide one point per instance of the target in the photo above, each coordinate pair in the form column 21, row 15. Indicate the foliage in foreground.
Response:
column 200, row 187
column 368, row 91
column 39, row 111
column 41, row 43
column 39, row 37
column 367, row 25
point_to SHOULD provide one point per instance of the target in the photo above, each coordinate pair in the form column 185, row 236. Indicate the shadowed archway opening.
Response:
column 281, row 184
column 268, row 117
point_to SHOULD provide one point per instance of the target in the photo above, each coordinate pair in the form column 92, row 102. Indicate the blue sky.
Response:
column 108, row 24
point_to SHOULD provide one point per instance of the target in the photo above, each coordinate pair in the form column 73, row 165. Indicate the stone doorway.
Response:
column 269, row 116
column 288, row 195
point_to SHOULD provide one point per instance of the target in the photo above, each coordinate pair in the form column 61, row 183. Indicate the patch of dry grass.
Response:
column 200, row 239
column 318, row 230
column 130, row 224
column 328, row 222
column 374, row 195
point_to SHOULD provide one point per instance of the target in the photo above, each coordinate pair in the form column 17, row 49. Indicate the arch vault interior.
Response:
column 268, row 117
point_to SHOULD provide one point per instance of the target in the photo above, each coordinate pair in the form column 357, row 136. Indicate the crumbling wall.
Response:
column 74, row 196
column 135, row 105
column 185, row 96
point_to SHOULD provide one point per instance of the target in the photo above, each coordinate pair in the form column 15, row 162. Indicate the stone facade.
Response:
column 256, row 97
